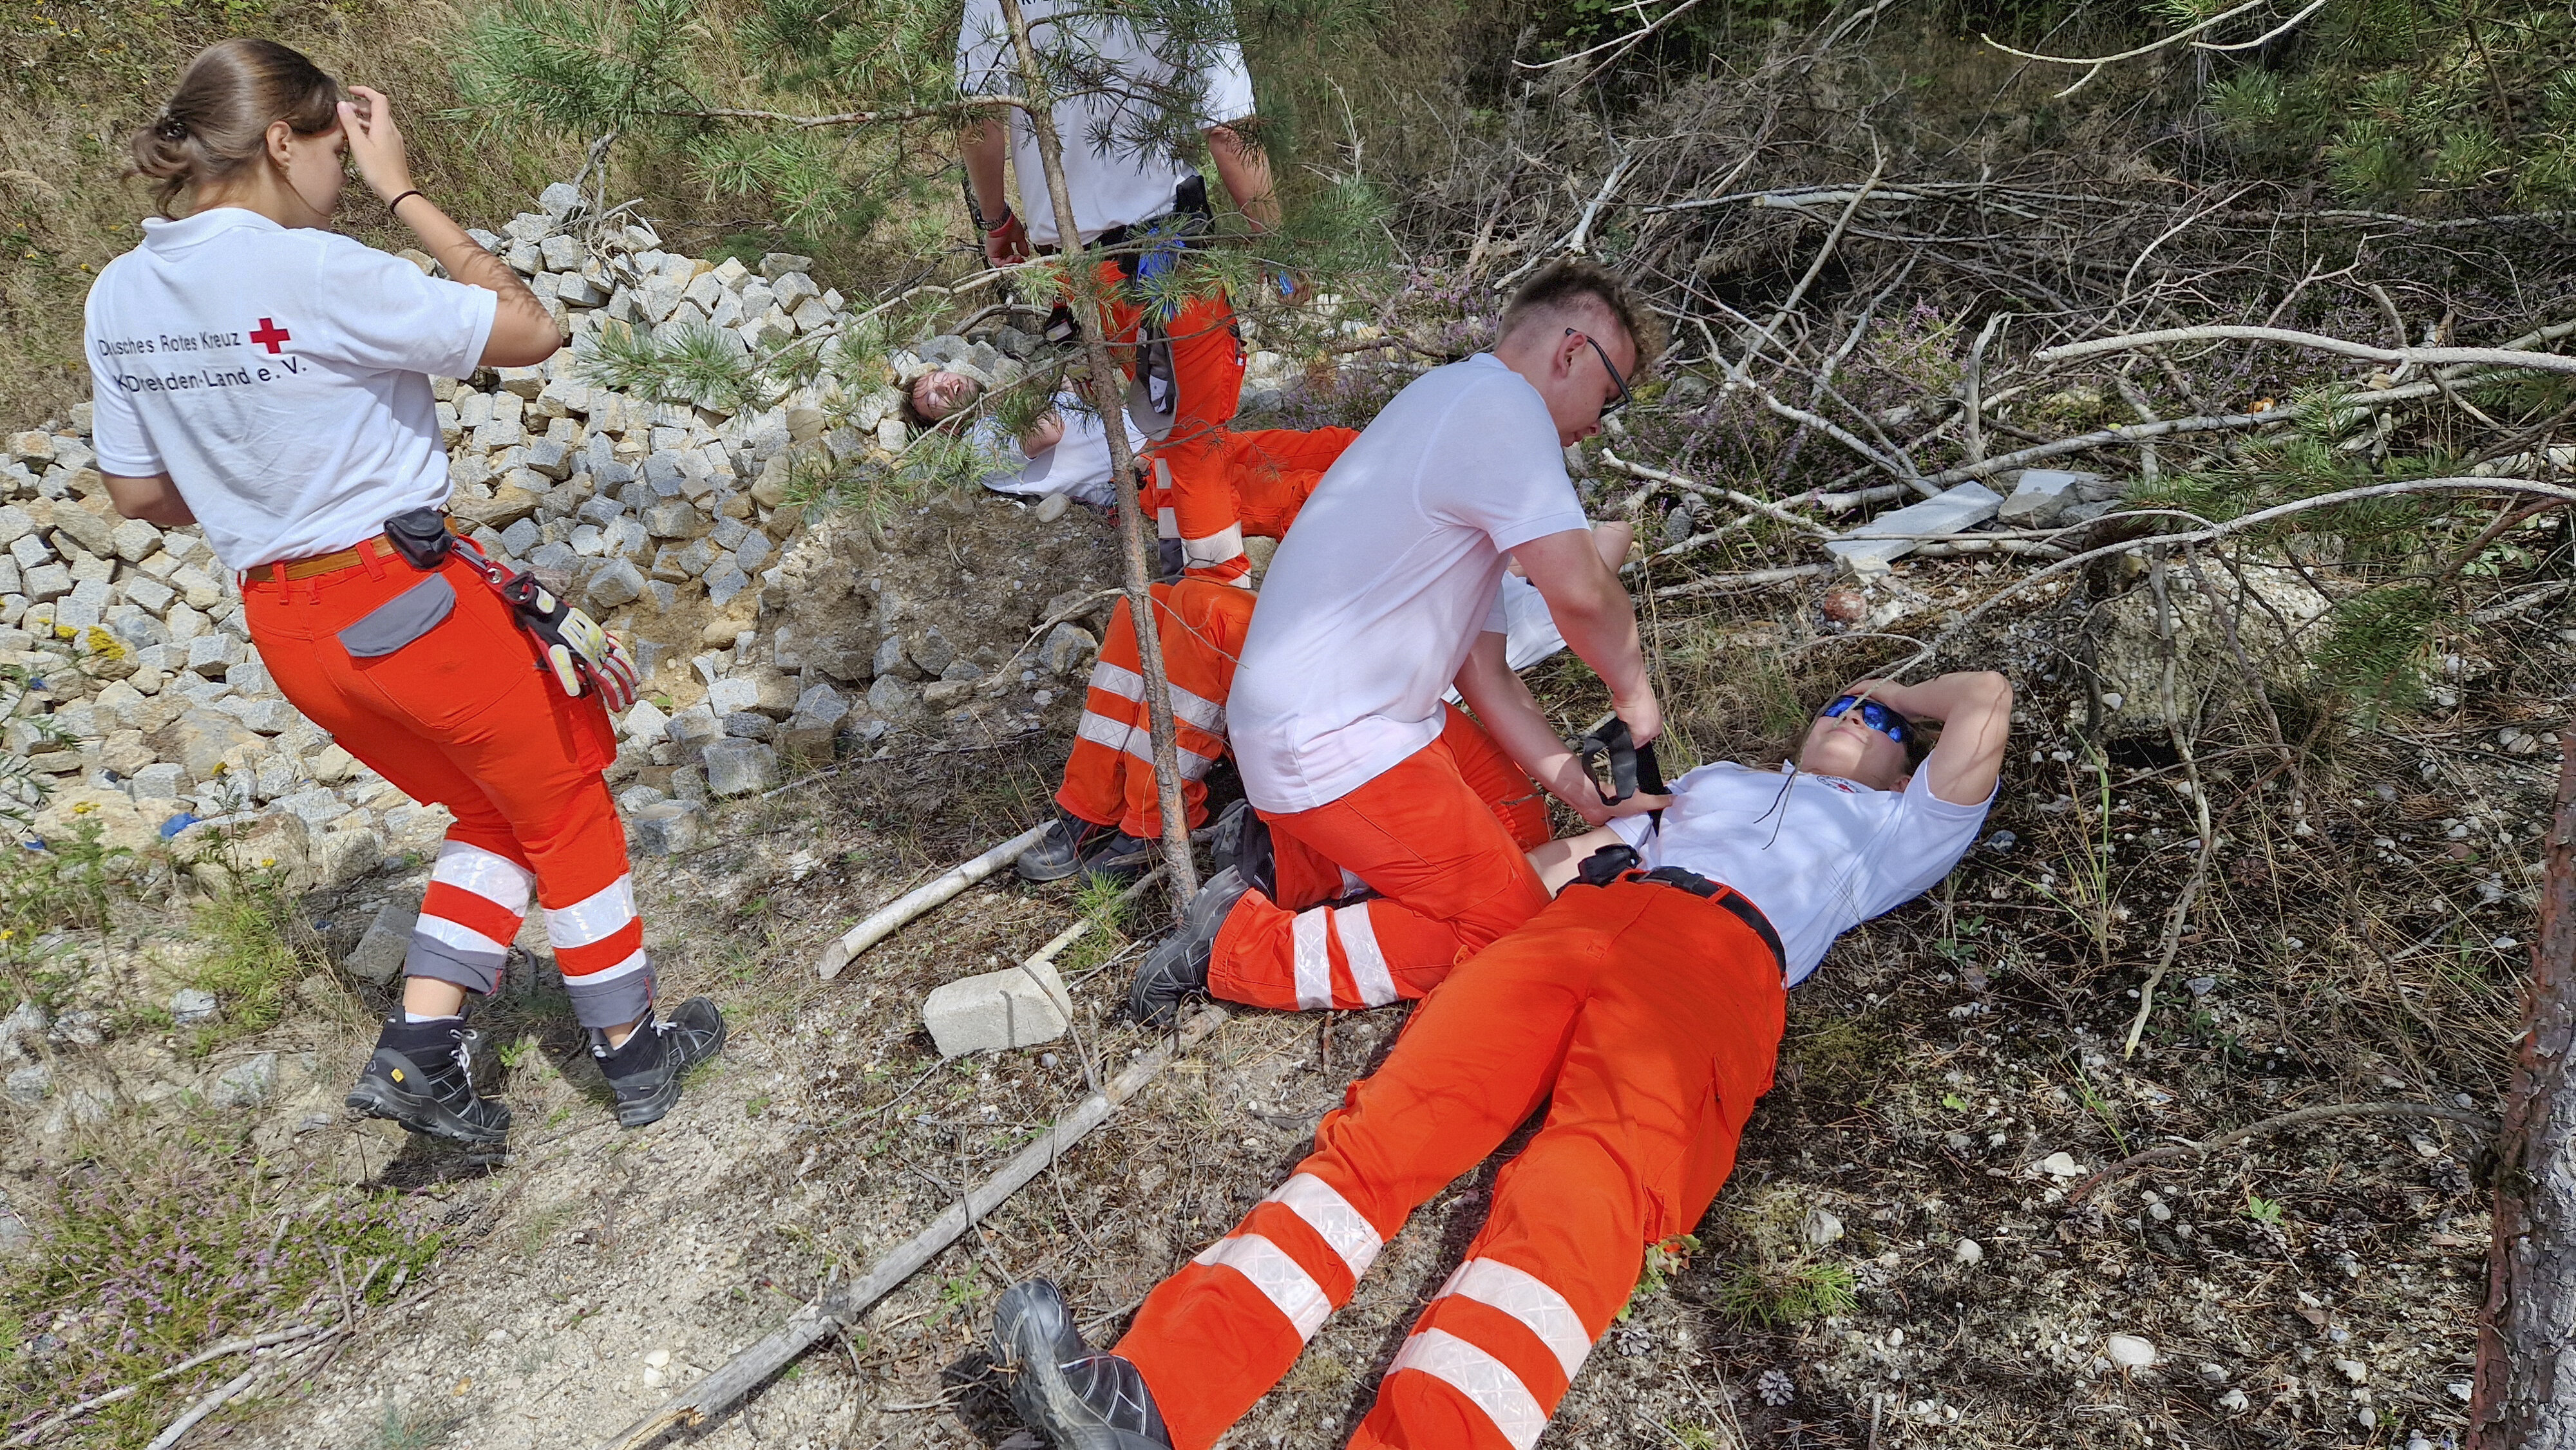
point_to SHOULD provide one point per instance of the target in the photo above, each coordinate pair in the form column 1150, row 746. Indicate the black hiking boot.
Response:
column 1059, row 852
column 645, row 1073
column 1117, row 858
column 1242, row 841
column 422, row 1076
column 1177, row 970
column 1078, row 1397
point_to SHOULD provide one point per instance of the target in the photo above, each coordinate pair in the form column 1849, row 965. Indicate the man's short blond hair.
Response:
column 1568, row 284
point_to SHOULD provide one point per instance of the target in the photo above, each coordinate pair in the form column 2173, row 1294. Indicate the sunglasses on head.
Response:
column 1876, row 716
column 1616, row 381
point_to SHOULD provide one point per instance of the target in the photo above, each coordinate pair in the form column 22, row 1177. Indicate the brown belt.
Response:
column 348, row 558
column 286, row 569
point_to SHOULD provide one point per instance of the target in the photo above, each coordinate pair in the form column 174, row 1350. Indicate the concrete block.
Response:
column 614, row 583
column 739, row 767
column 2040, row 496
column 1891, row 536
column 667, row 828
column 1014, row 1007
column 378, row 957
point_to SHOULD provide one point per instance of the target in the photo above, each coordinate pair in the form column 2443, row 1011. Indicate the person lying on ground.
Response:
column 1643, row 1008
column 1379, row 601
column 1109, row 820
column 1266, row 473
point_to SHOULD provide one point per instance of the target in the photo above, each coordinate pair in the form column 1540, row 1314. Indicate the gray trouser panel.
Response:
column 612, row 1003
column 476, row 971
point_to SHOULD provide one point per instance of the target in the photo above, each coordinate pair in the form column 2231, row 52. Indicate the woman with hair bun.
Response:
column 266, row 378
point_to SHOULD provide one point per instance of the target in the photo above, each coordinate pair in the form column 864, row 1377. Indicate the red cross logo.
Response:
column 269, row 335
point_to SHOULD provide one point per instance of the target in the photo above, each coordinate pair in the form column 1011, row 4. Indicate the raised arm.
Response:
column 1975, row 711
column 1591, row 610
column 523, row 333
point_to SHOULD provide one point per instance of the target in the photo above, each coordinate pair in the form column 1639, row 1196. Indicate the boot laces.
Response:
column 467, row 1040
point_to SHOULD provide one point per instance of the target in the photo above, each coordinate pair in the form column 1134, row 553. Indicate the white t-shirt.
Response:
column 1078, row 464
column 1379, row 591
column 1819, row 854
column 280, row 376
column 1110, row 183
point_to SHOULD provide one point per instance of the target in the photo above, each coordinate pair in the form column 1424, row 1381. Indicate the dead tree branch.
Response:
column 2316, row 341
column 2189, row 1149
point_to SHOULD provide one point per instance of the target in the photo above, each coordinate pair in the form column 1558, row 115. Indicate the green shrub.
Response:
column 261, row 948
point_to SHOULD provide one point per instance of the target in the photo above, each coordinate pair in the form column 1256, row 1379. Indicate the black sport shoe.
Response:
column 1118, row 858
column 422, row 1076
column 1177, row 970
column 1242, row 841
column 1058, row 853
column 1080, row 1398
column 646, row 1072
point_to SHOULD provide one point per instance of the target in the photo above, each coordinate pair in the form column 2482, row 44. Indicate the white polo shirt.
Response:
column 1390, row 573
column 1819, row 854
column 280, row 376
column 1078, row 464
column 1112, row 185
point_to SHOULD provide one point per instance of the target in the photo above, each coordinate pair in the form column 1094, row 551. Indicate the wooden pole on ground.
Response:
column 891, row 918
column 2526, row 1378
column 737, row 1377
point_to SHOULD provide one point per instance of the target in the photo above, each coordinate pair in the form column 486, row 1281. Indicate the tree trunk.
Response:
column 2526, row 1378
column 1109, row 397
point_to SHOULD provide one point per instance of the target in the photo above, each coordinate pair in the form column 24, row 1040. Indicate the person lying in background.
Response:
column 1642, row 1008
column 1270, row 471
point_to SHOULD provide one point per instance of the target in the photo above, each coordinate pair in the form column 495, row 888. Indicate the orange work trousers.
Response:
column 1109, row 779
column 1440, row 838
column 1268, row 473
column 1205, row 385
column 429, row 680
column 1647, row 1020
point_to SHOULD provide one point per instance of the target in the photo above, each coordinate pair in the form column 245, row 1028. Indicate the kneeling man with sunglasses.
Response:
column 1643, row 1008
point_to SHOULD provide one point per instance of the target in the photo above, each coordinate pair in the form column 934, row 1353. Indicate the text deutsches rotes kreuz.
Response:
column 209, row 373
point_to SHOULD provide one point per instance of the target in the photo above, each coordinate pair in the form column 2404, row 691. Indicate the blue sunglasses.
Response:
column 1876, row 716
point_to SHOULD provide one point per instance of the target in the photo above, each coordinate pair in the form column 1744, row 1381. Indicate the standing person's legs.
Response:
column 1472, row 1065
column 1274, row 470
column 429, row 680
column 1666, row 1059
column 1449, row 880
column 1206, row 360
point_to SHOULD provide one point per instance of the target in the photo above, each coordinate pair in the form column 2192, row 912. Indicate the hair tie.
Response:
column 172, row 128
